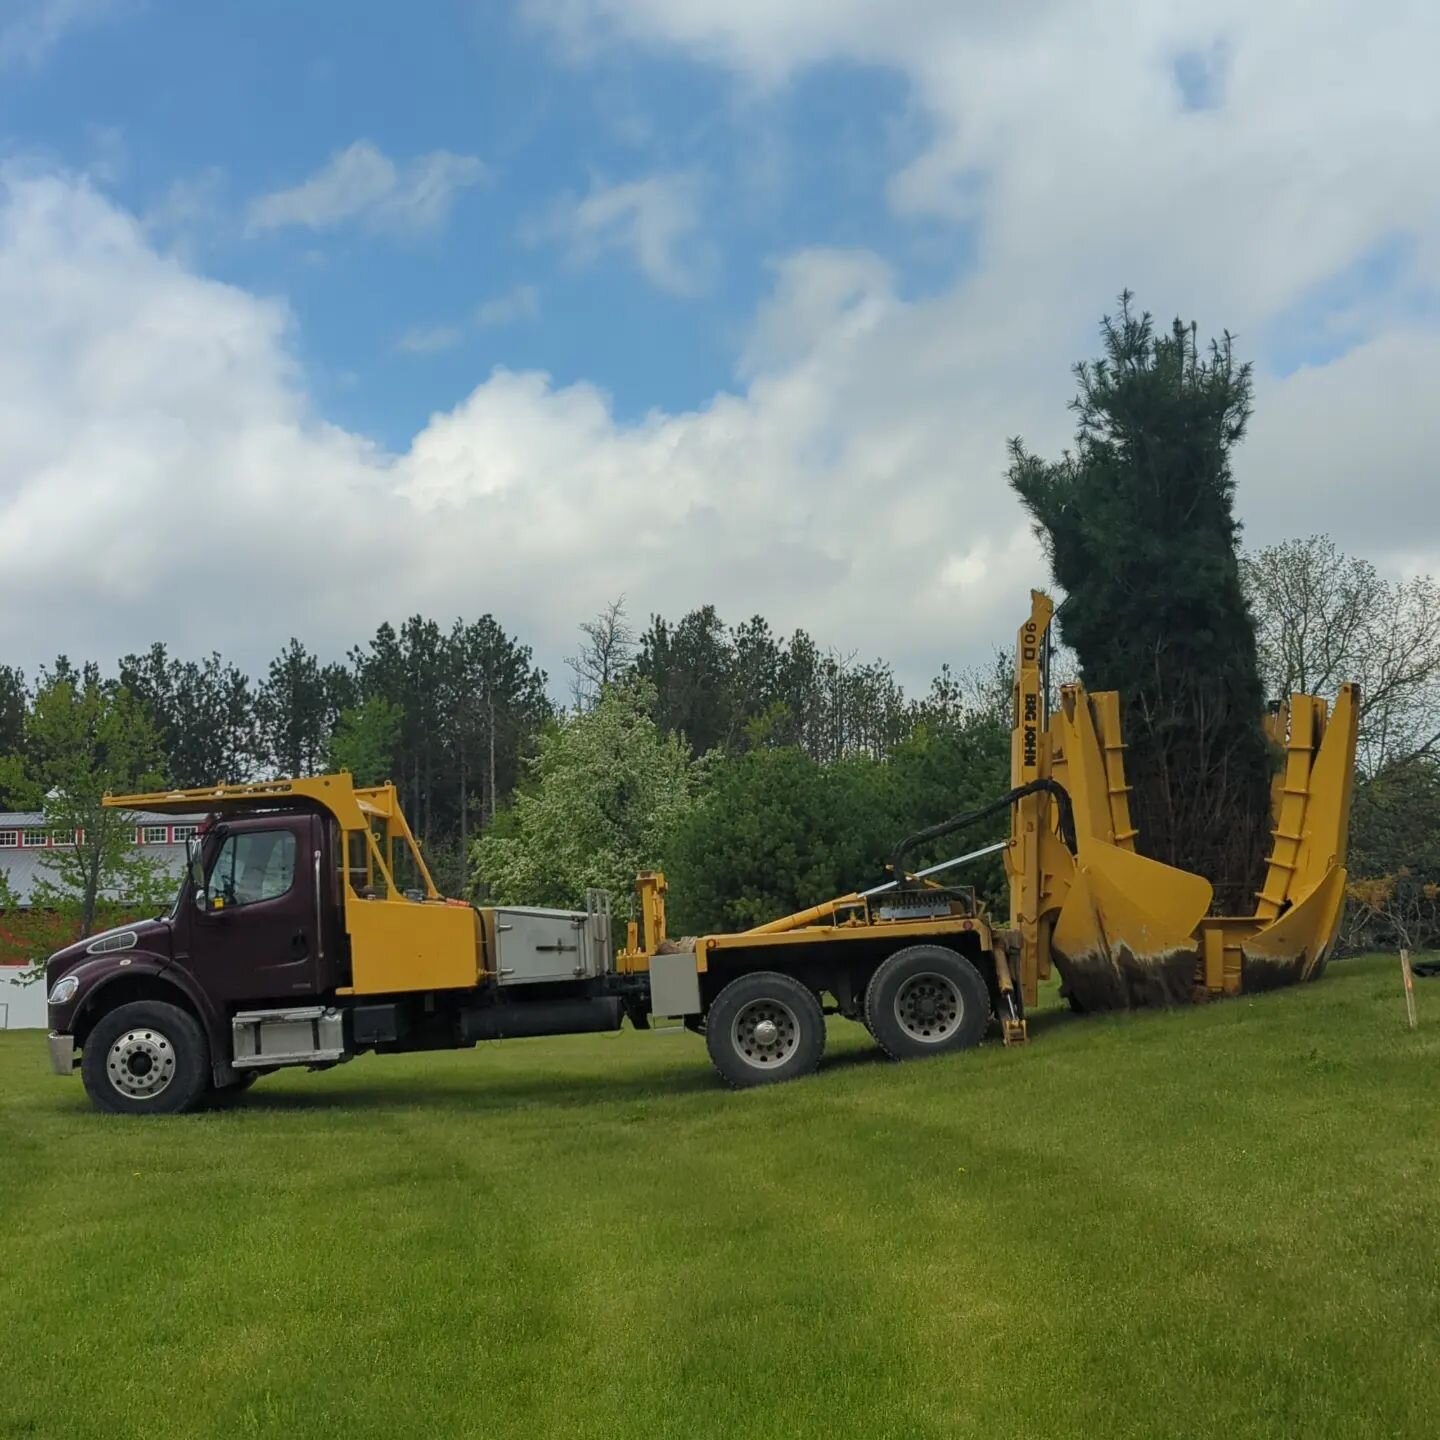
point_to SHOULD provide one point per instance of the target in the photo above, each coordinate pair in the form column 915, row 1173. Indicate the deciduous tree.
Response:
column 364, row 740
column 604, row 657
column 1324, row 617
column 604, row 790
column 84, row 739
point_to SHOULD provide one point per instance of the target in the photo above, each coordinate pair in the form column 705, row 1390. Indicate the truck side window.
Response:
column 256, row 866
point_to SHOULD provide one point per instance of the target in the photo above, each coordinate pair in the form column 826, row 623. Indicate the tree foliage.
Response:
column 777, row 831
column 203, row 712
column 297, row 709
column 605, row 655
column 85, row 739
column 470, row 701
column 364, row 740
column 1139, row 525
column 1395, row 821
column 734, row 689
column 13, row 702
column 1324, row 617
column 603, row 792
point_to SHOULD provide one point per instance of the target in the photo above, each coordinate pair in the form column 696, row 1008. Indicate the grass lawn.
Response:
column 1223, row 1221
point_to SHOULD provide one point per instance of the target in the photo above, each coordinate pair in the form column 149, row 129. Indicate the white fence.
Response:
column 22, row 1007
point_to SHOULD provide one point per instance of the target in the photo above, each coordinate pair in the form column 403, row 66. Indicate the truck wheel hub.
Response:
column 141, row 1064
column 765, row 1033
column 929, row 1008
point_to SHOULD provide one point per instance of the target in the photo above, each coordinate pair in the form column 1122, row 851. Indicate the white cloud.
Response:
column 151, row 419
column 362, row 183
column 1070, row 137
column 1061, row 129
column 189, row 208
column 34, row 27
column 521, row 303
column 429, row 339
column 653, row 220
column 109, row 154
column 852, row 480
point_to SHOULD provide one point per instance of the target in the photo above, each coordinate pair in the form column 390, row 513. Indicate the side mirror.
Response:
column 202, row 901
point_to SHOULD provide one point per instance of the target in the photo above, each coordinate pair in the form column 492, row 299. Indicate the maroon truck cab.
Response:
column 256, row 924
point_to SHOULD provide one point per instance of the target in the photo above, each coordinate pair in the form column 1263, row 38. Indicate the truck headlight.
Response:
column 64, row 990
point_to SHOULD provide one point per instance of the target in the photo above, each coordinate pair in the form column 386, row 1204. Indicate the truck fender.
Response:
column 109, row 972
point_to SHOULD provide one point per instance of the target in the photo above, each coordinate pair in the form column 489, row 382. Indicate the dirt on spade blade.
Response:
column 1126, row 981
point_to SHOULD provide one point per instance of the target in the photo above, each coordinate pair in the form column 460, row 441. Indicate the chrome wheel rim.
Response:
column 929, row 1008
column 141, row 1063
column 765, row 1033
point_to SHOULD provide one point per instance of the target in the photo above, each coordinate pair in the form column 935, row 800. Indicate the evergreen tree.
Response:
column 204, row 713
column 12, row 708
column 296, row 711
column 1140, row 528
column 775, row 832
column 689, row 665
column 495, row 705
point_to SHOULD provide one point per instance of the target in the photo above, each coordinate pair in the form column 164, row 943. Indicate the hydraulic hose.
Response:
column 958, row 822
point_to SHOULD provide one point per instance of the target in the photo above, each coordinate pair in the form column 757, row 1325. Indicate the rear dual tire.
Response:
column 926, row 1000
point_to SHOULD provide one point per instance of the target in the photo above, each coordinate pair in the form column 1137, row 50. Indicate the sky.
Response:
column 313, row 316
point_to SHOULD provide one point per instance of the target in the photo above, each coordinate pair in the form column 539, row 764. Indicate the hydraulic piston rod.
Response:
column 940, row 869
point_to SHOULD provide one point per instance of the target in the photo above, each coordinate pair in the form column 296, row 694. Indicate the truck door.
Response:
column 257, row 935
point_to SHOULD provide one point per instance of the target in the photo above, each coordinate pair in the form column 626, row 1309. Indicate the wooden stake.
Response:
column 1409, row 986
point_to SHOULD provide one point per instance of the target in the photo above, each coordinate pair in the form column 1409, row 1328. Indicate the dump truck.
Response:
column 307, row 929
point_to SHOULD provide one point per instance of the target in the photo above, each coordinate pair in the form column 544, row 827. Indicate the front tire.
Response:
column 146, row 1058
column 764, row 1028
column 926, row 1000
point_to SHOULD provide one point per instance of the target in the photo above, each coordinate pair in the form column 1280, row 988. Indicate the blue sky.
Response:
column 219, row 105
column 518, row 307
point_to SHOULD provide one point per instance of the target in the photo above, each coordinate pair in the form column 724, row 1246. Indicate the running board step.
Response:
column 309, row 1035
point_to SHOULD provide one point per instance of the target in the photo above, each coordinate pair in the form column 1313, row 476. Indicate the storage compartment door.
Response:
column 538, row 946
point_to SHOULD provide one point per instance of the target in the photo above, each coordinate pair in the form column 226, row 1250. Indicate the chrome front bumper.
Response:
column 62, row 1054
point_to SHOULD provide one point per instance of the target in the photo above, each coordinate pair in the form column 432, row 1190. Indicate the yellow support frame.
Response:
column 397, row 946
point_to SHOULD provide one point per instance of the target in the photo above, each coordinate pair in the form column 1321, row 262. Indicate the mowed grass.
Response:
column 1221, row 1221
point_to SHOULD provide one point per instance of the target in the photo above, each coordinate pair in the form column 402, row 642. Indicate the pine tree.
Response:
column 13, row 701
column 295, row 713
column 1139, row 522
